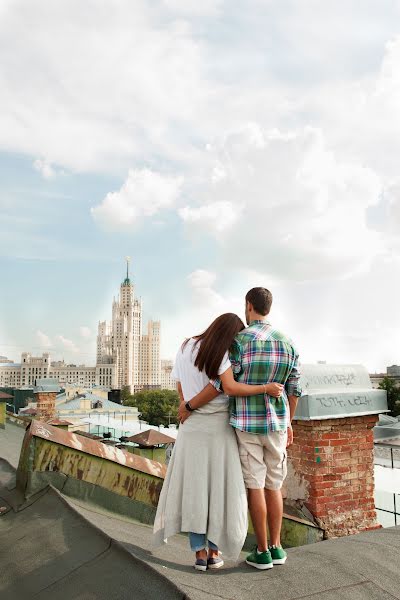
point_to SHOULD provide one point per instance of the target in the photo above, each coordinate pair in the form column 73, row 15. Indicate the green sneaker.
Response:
column 278, row 555
column 260, row 560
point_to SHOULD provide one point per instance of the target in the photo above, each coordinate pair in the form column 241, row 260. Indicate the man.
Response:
column 262, row 354
column 263, row 425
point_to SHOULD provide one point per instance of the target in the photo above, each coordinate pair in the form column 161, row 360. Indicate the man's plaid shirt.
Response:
column 261, row 354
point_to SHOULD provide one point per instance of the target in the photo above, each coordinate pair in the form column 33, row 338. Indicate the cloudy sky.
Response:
column 222, row 145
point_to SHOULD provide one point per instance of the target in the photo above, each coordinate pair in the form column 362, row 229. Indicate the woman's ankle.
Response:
column 213, row 553
column 201, row 554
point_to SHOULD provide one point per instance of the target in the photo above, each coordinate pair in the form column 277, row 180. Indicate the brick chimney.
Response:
column 45, row 392
column 331, row 462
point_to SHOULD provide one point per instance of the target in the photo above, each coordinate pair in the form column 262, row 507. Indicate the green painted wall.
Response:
column 157, row 454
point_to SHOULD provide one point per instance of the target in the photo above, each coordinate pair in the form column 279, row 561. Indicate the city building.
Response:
column 121, row 342
column 126, row 356
column 150, row 362
column 393, row 372
column 166, row 381
column 10, row 375
column 5, row 360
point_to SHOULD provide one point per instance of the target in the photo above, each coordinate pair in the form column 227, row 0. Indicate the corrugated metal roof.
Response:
column 150, row 438
column 75, row 403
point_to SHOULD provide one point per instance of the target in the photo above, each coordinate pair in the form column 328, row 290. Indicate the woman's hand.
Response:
column 274, row 389
column 183, row 413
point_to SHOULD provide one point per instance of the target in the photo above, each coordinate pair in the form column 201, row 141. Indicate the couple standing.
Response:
column 227, row 445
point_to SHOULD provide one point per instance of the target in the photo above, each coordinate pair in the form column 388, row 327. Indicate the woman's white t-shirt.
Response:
column 194, row 381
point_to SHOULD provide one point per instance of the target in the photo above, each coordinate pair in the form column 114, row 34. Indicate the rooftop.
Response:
column 55, row 546
column 60, row 547
column 75, row 403
column 151, row 437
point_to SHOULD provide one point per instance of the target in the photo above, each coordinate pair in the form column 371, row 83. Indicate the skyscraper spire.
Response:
column 127, row 281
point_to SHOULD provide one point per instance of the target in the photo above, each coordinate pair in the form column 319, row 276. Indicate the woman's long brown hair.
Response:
column 215, row 341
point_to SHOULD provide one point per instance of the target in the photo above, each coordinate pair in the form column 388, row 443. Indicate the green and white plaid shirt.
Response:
column 261, row 354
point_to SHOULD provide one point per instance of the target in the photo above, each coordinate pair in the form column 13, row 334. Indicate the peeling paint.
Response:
column 297, row 487
column 120, row 479
column 95, row 448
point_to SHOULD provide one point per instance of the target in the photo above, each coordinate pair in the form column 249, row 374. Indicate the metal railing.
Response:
column 389, row 457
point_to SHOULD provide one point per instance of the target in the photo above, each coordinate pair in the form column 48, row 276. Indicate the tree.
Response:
column 125, row 394
column 393, row 395
column 157, row 407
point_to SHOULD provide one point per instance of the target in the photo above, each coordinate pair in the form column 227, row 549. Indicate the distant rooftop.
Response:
column 47, row 385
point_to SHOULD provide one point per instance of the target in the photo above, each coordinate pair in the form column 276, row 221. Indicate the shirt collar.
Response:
column 261, row 321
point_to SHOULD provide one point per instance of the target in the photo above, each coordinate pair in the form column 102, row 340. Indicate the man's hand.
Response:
column 289, row 435
column 274, row 389
column 183, row 413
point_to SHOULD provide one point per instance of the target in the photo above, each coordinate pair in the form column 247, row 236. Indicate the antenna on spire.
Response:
column 127, row 281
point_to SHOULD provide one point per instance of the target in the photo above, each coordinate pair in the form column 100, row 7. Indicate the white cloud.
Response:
column 202, row 279
column 217, row 217
column 122, row 82
column 284, row 149
column 67, row 344
column 85, row 331
column 205, row 8
column 143, row 194
column 297, row 211
column 43, row 339
column 44, row 168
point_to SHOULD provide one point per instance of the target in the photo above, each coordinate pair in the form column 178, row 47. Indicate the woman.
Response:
column 203, row 492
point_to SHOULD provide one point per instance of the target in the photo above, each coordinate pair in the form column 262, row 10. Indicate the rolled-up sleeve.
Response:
column 235, row 355
column 292, row 385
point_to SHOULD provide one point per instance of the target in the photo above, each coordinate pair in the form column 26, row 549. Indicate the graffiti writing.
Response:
column 342, row 402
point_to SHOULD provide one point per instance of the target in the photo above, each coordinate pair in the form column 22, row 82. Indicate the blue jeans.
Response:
column 198, row 542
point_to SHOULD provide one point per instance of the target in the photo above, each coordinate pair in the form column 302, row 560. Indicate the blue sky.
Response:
column 221, row 146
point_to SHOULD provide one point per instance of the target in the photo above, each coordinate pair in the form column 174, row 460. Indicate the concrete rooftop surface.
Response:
column 54, row 547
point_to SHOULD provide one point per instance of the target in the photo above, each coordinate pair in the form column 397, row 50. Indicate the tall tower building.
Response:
column 150, row 362
column 120, row 342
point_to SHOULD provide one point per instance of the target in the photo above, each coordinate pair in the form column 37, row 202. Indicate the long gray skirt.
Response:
column 203, row 491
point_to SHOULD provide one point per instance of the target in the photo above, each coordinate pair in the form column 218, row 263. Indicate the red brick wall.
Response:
column 46, row 405
column 331, row 470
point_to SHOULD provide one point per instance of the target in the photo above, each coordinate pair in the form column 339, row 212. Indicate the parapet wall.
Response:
column 119, row 481
column 91, row 469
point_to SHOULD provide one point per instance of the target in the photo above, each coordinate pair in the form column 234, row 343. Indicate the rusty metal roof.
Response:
column 4, row 396
column 95, row 448
column 59, row 422
column 86, row 434
column 150, row 437
column 28, row 411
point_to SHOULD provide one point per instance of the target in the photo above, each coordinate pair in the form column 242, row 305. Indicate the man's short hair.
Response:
column 261, row 299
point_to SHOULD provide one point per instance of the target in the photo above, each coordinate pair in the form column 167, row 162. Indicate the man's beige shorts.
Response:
column 263, row 459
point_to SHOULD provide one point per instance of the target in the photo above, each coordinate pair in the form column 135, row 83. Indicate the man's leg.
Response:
column 274, row 514
column 258, row 513
column 251, row 453
column 275, row 459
